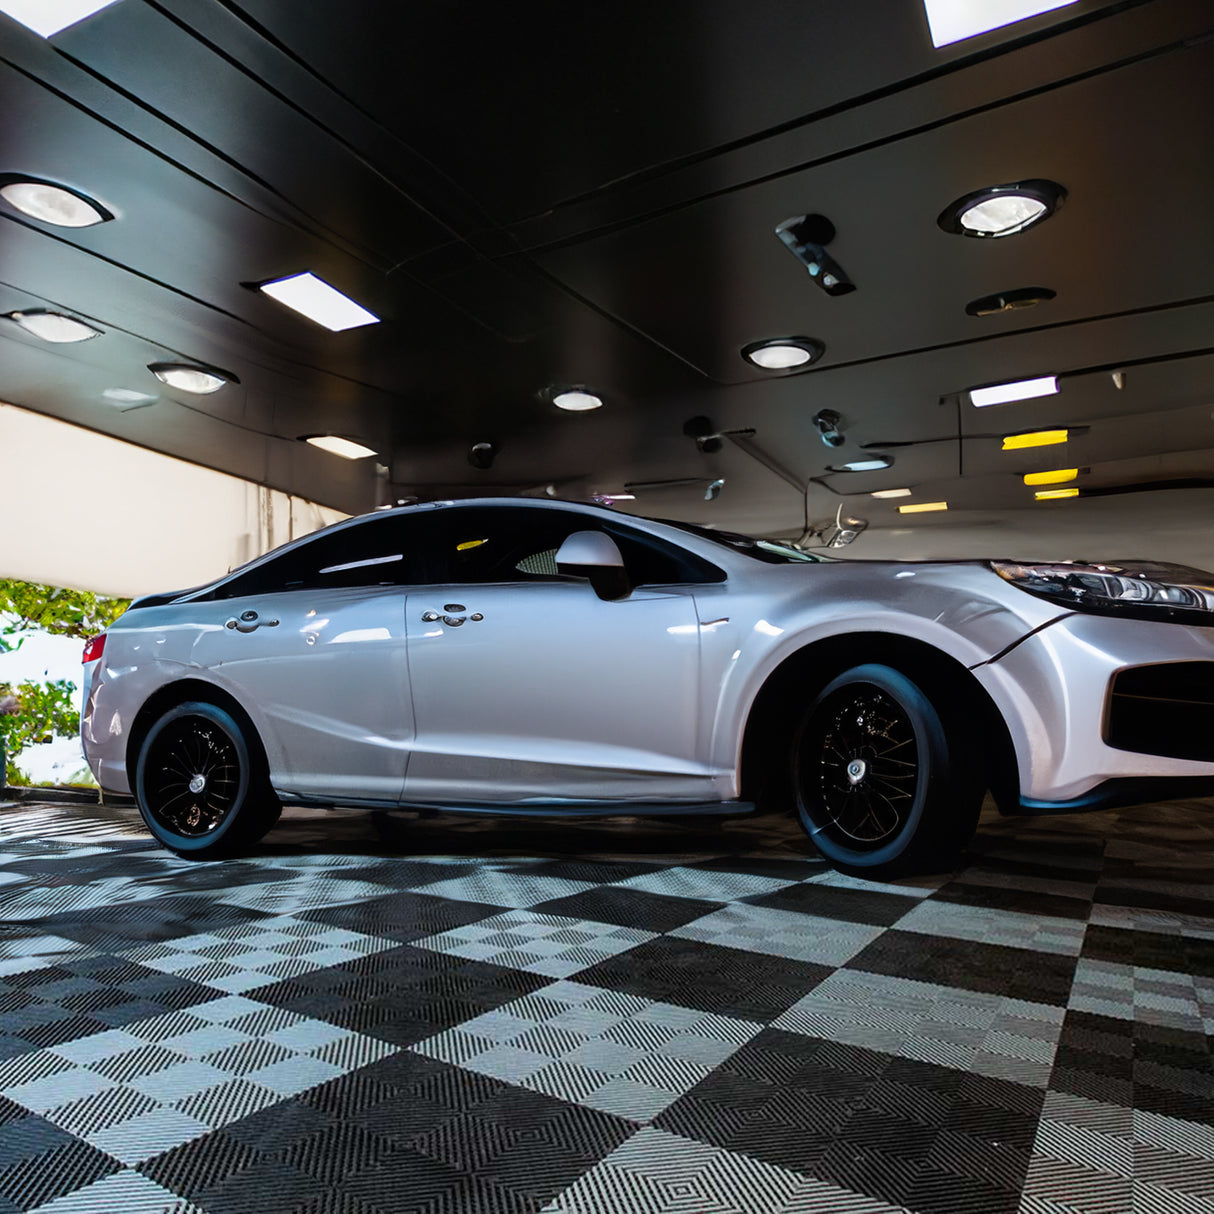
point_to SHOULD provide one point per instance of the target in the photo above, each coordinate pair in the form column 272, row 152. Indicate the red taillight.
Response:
column 93, row 648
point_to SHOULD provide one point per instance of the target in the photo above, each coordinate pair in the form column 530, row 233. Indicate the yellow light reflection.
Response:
column 1037, row 438
column 922, row 507
column 1058, row 477
column 1048, row 495
column 469, row 544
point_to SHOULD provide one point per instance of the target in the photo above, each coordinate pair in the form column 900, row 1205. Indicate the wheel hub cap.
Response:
column 197, row 784
column 857, row 769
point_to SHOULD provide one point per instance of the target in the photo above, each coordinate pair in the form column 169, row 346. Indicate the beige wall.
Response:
column 84, row 510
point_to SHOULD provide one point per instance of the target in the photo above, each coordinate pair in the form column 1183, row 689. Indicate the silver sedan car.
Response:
column 524, row 656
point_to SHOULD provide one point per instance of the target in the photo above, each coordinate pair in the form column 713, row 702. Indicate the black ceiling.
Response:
column 555, row 193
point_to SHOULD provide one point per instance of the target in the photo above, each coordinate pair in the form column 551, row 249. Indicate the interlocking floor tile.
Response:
column 1017, row 898
column 1042, row 933
column 136, row 1092
column 628, row 907
column 127, row 1192
column 762, row 929
column 989, row 1034
column 299, row 894
column 401, row 995
column 403, row 917
column 539, row 944
column 507, row 889
column 706, row 884
column 829, row 901
column 948, row 961
column 114, row 928
column 728, row 981
column 1183, row 952
column 1134, row 992
column 606, row 1050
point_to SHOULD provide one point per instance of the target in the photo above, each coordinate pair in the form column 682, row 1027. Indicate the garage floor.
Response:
column 382, row 1014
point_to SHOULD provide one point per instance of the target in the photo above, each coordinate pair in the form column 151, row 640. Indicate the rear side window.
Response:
column 387, row 551
column 494, row 544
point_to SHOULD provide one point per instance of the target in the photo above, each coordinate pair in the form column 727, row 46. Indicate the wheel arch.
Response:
column 767, row 735
column 182, row 691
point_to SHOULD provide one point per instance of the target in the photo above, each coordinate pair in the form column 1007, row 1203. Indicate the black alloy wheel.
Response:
column 881, row 784
column 200, row 783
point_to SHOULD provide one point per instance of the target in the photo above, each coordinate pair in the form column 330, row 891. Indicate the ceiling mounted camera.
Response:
column 482, row 455
column 807, row 237
column 829, row 425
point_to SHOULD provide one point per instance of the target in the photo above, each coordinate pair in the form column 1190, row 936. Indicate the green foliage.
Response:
column 33, row 713
column 67, row 613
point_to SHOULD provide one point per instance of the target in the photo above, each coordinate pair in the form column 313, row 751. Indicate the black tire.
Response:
column 885, row 781
column 231, row 804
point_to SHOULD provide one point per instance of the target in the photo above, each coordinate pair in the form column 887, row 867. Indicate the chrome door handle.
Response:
column 428, row 617
column 452, row 621
column 248, row 622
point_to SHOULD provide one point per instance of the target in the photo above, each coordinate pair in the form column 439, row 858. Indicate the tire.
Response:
column 232, row 808
column 884, row 780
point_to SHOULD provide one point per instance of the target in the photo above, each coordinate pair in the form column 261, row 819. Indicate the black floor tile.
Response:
column 995, row 969
column 727, row 981
column 404, row 916
column 1155, row 899
column 602, row 872
column 1150, row 950
column 629, row 908
column 839, row 902
column 1020, row 901
column 762, row 866
column 129, row 924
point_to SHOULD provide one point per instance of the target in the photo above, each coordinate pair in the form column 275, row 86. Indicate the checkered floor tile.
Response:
column 453, row 1017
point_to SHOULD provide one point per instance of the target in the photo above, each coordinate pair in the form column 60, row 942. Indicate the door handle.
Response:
column 248, row 622
column 452, row 621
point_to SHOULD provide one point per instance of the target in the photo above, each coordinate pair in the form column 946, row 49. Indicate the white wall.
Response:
column 91, row 512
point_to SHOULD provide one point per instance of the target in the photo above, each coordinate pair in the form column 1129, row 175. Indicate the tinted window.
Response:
column 493, row 544
column 380, row 551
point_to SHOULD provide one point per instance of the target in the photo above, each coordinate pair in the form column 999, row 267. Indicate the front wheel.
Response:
column 881, row 784
column 201, row 783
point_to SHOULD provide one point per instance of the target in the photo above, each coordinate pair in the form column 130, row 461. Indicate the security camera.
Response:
column 482, row 455
column 807, row 237
column 829, row 424
column 714, row 489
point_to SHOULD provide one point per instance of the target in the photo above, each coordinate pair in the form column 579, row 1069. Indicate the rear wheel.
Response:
column 201, row 783
column 882, row 783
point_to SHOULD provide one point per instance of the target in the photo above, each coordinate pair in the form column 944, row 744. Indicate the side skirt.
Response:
column 547, row 809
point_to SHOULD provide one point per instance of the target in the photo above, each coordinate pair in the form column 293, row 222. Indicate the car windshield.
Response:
column 770, row 551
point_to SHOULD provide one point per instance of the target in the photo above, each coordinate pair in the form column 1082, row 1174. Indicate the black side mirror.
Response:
column 593, row 555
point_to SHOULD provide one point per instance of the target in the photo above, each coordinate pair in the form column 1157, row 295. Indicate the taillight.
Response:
column 93, row 648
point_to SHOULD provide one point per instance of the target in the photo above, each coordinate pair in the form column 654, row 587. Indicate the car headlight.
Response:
column 1143, row 590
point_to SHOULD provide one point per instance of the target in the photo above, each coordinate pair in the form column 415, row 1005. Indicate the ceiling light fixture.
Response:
column 955, row 20
column 1058, row 477
column 1034, row 438
column 47, row 17
column 1049, row 495
column 49, row 202
column 186, row 377
column 334, row 444
column 783, row 353
column 575, row 400
column 1009, row 301
column 864, row 465
column 1002, row 210
column 922, row 507
column 1024, row 389
column 52, row 326
column 891, row 493
column 318, row 301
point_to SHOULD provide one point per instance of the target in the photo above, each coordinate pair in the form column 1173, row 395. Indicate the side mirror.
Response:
column 593, row 555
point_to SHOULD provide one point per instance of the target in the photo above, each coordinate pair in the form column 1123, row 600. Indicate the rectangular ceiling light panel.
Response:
column 1037, row 438
column 956, row 20
column 47, row 17
column 314, row 298
column 923, row 507
column 1024, row 389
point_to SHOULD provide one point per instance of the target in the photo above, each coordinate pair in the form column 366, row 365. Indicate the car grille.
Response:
column 1165, row 709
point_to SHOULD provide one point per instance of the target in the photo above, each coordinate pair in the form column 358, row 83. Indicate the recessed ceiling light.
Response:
column 1057, row 477
column 51, row 203
column 1002, row 394
column 336, row 445
column 53, row 326
column 129, row 398
column 864, row 465
column 186, row 377
column 1002, row 210
column 314, row 298
column 1034, row 438
column 48, row 17
column 576, row 400
column 955, row 20
column 922, row 507
column 1049, row 495
column 783, row 353
column 891, row 493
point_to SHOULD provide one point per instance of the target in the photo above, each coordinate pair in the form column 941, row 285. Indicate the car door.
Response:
column 313, row 646
column 527, row 687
